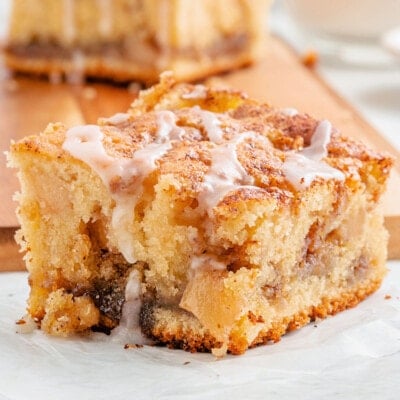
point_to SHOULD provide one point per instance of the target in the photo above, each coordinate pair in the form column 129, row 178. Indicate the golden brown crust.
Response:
column 194, row 341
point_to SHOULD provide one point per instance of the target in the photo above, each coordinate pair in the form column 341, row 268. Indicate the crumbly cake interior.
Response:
column 199, row 219
column 135, row 39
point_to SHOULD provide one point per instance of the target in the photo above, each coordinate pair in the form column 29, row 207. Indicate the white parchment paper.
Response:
column 354, row 355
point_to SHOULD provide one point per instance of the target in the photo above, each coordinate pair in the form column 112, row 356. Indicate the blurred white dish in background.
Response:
column 391, row 41
column 358, row 19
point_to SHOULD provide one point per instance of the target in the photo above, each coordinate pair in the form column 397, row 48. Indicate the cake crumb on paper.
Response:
column 132, row 346
column 310, row 58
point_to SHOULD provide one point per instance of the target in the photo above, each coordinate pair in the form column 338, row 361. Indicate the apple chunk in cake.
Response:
column 199, row 219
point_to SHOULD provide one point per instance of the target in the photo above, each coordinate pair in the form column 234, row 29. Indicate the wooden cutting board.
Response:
column 28, row 104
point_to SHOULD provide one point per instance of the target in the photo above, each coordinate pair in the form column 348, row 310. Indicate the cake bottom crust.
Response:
column 194, row 341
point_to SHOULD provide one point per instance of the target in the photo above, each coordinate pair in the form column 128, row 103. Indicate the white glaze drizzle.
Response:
column 105, row 20
column 319, row 142
column 116, row 119
column 129, row 329
column 167, row 127
column 225, row 174
column 163, row 34
column 211, row 124
column 76, row 76
column 69, row 20
column 84, row 143
column 303, row 167
column 289, row 111
column 198, row 92
column 133, row 171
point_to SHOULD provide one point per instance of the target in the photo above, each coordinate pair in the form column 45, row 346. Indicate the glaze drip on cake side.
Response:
column 85, row 143
column 105, row 9
column 105, row 20
column 69, row 20
column 128, row 329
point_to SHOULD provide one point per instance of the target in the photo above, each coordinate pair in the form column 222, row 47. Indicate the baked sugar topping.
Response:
column 69, row 20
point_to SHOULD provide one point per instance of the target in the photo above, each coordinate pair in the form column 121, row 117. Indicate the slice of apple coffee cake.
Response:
column 200, row 219
column 134, row 40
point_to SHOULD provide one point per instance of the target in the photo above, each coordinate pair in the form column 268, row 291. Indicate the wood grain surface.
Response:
column 10, row 257
column 28, row 104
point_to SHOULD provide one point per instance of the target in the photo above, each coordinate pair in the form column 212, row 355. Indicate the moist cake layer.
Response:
column 199, row 219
